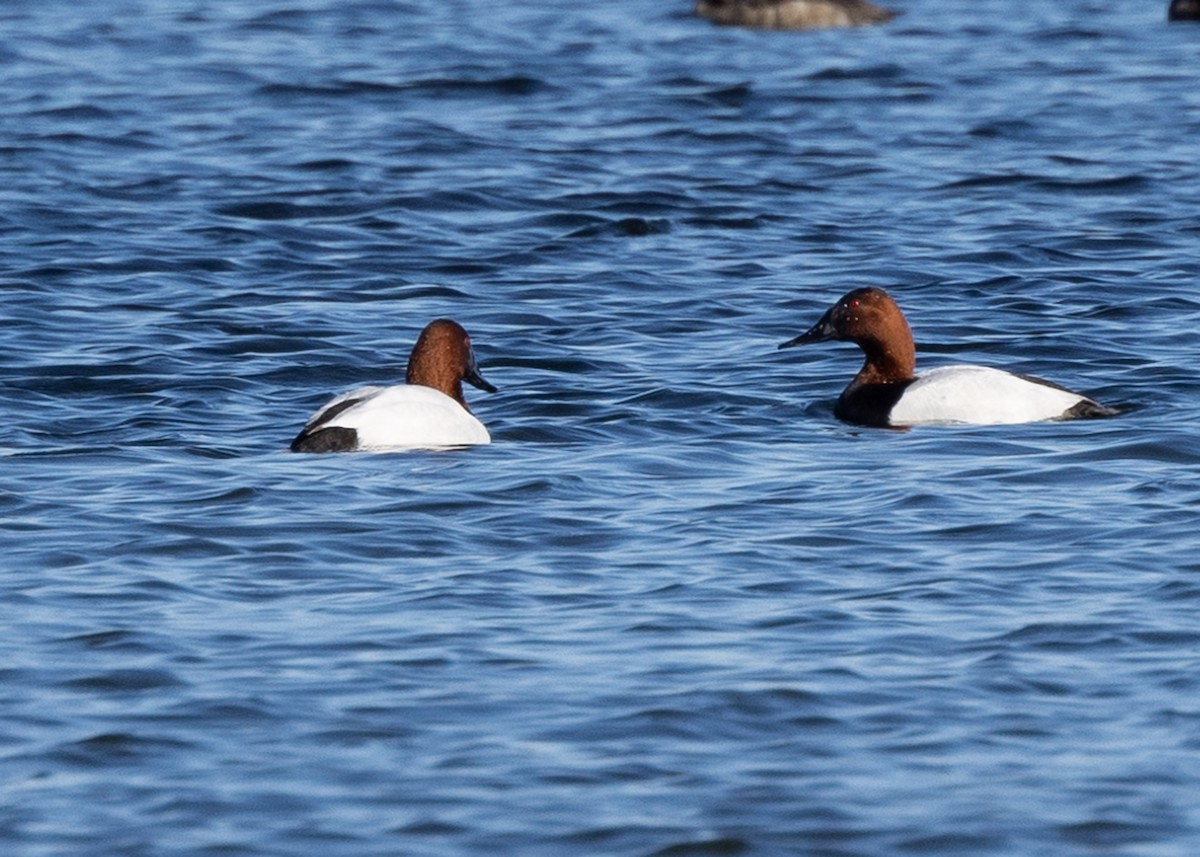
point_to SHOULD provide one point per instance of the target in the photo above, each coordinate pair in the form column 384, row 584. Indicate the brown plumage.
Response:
column 793, row 14
column 443, row 359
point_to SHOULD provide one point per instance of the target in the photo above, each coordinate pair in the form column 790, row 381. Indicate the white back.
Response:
column 409, row 415
column 979, row 395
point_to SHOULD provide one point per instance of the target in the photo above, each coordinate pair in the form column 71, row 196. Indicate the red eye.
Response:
column 854, row 303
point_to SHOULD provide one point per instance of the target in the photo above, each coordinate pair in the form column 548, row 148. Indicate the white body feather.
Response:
column 979, row 395
column 407, row 415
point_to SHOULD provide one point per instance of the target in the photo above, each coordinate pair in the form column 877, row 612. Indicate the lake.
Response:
column 676, row 608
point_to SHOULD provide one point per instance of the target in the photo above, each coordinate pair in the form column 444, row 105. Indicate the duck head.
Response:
column 872, row 320
column 443, row 358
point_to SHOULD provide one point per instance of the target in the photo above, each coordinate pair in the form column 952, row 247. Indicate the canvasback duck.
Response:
column 887, row 391
column 427, row 411
column 793, row 14
column 1184, row 10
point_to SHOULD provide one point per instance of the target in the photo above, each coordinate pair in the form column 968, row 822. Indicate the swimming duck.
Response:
column 427, row 411
column 888, row 392
column 793, row 14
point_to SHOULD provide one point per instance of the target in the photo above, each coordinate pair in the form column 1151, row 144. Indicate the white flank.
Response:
column 410, row 416
column 979, row 395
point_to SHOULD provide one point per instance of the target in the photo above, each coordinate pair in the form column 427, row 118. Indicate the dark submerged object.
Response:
column 1184, row 10
column 793, row 14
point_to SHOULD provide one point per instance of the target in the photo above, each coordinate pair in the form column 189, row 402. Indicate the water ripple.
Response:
column 676, row 607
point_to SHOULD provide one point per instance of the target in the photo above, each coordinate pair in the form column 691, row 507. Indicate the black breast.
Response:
column 869, row 404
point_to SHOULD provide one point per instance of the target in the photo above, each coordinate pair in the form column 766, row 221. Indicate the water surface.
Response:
column 675, row 608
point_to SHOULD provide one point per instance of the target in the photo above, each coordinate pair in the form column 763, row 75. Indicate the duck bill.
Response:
column 473, row 378
column 477, row 380
column 822, row 331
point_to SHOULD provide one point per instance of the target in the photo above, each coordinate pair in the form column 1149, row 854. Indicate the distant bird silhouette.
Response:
column 1184, row 10
column 794, row 14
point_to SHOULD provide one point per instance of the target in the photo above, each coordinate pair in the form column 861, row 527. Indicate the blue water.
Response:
column 676, row 608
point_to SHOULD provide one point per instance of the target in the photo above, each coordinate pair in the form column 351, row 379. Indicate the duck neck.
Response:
column 888, row 363
column 419, row 373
